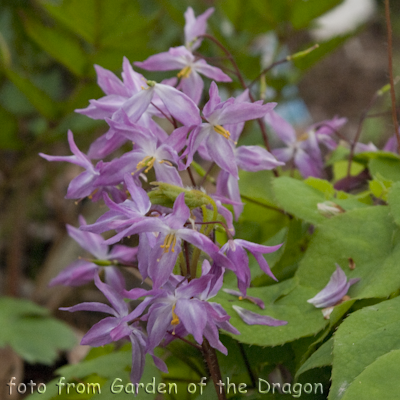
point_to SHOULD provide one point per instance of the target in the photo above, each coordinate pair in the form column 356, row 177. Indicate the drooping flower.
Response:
column 125, row 214
column 96, row 179
column 190, row 68
column 235, row 251
column 182, row 308
column 171, row 231
column 218, row 139
column 302, row 150
column 83, row 271
column 194, row 27
column 135, row 95
column 334, row 291
column 117, row 327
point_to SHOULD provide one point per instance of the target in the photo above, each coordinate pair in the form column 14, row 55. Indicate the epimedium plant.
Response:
column 316, row 256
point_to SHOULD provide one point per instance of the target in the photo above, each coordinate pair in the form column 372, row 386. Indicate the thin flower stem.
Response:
column 189, row 170
column 170, row 119
column 390, row 62
column 211, row 359
column 265, row 70
column 183, row 264
column 229, row 55
column 186, row 247
column 196, row 346
column 248, row 365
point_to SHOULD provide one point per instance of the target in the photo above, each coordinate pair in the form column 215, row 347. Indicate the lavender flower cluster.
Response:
column 176, row 250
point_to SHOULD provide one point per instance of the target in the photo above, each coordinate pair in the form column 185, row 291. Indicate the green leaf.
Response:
column 362, row 338
column 38, row 98
column 354, row 234
column 63, row 47
column 388, row 167
column 103, row 368
column 303, row 318
column 301, row 198
column 321, row 358
column 9, row 139
column 249, row 185
column 382, row 376
column 340, row 169
column 303, row 12
column 394, row 202
column 79, row 16
column 322, row 185
column 29, row 330
column 379, row 187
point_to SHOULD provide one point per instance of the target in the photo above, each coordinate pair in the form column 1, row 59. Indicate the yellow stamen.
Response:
column 169, row 242
column 175, row 319
column 222, row 131
column 92, row 194
column 148, row 162
column 303, row 137
column 184, row 72
column 166, row 162
column 240, row 297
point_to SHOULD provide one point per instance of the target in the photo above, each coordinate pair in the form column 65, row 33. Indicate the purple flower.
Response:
column 334, row 291
column 83, row 271
column 195, row 27
column 324, row 131
column 303, row 150
column 252, row 318
column 125, row 214
column 134, row 96
column 235, row 252
column 248, row 158
column 217, row 139
column 190, row 68
column 172, row 231
column 149, row 153
column 95, row 180
column 182, row 309
column 116, row 327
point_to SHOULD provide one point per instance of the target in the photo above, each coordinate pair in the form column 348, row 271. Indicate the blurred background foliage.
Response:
column 47, row 52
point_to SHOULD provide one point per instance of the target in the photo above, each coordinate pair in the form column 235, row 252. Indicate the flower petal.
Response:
column 252, row 318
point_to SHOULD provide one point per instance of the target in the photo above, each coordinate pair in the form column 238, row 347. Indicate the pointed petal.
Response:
column 165, row 61
column 112, row 296
column 255, row 158
column 99, row 334
column 195, row 27
column 333, row 292
column 192, row 86
column 92, row 306
column 91, row 242
column 221, row 151
column 251, row 318
column 193, row 316
column 211, row 72
column 78, row 273
column 239, row 112
column 281, row 127
column 181, row 107
column 109, row 83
